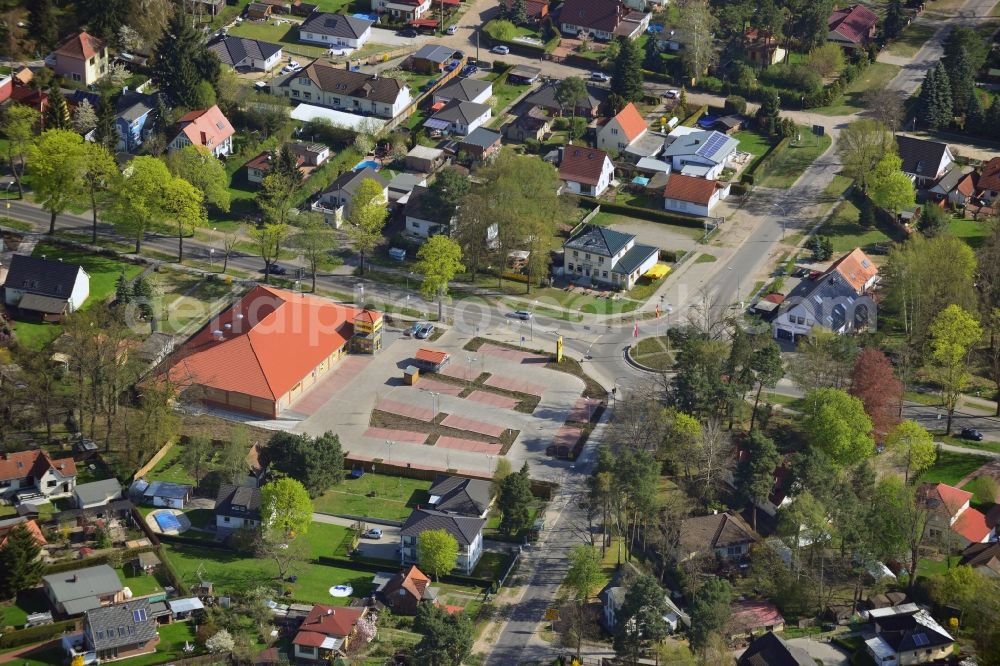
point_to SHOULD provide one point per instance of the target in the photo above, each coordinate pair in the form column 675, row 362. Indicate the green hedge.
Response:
column 72, row 565
column 37, row 634
column 644, row 213
column 749, row 176
column 454, row 579
column 693, row 119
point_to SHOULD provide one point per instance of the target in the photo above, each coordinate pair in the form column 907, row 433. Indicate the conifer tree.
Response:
column 182, row 63
column 975, row 114
column 962, row 81
column 57, row 113
column 20, row 565
column 626, row 79
column 42, row 26
column 893, row 23
column 105, row 133
column 935, row 107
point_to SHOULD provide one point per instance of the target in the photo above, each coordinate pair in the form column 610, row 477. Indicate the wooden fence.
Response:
column 154, row 461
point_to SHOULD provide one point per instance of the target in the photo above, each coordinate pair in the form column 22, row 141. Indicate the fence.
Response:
column 155, row 460
column 415, row 104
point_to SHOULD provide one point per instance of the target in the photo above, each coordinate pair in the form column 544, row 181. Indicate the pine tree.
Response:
column 123, row 291
column 518, row 13
column 20, row 565
column 57, row 113
column 42, row 26
column 287, row 166
column 103, row 17
column 626, row 79
column 179, row 57
column 142, row 294
column 105, row 132
column 894, row 20
column 975, row 114
column 652, row 60
column 962, row 81
column 935, row 98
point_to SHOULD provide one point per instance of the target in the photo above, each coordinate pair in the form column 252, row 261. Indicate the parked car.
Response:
column 397, row 253
column 373, row 533
column 452, row 29
column 599, row 76
column 410, row 330
column 409, row 32
column 275, row 270
column 672, row 94
column 501, row 50
column 458, row 55
column 520, row 314
column 973, row 434
column 294, row 63
column 468, row 71
column 424, row 331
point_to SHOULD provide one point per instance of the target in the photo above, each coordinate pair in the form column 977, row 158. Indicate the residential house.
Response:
column 79, row 590
column 457, row 117
column 464, row 90
column 908, row 638
column 81, row 58
column 96, row 493
column 237, row 507
column 404, row 592
column 691, row 195
column 481, row 144
column 246, row 53
column 602, row 19
column 770, row 649
column 6, row 87
column 533, row 125
column 535, row 9
column 308, row 156
column 467, row 530
column 258, row 11
column 120, row 631
column 950, row 519
column 724, row 536
column 852, row 27
column 402, row 184
column 700, row 153
column 166, row 494
column 925, row 162
column 607, row 257
column 618, row 133
column 750, row 618
column 28, row 475
column 134, row 115
column 983, row 557
column 420, row 223
column 461, row 495
column 266, row 351
column 424, row 159
column 335, row 30
column 338, row 195
column 30, row 524
column 586, row 171
column 762, row 48
column 430, row 58
column 326, row 632
column 545, row 98
column 989, row 180
column 207, row 128
column 45, row 288
column 182, row 609
column 956, row 187
column 402, row 10
column 613, row 596
column 832, row 301
column 355, row 92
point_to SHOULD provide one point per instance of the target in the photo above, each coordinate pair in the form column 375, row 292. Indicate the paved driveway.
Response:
column 386, row 548
column 828, row 653
column 390, row 37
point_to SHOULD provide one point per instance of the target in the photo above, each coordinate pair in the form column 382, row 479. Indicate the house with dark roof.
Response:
column 950, row 518
column 983, row 557
column 908, row 638
column 534, row 125
column 833, row 301
column 404, row 592
column 134, row 114
column 208, row 128
column 45, row 288
column 770, row 649
column 337, row 197
column 167, row 494
column 481, row 144
column 458, row 117
column 324, row 84
column 957, row 186
column 402, row 10
column 467, row 530
column 608, row 257
column 82, row 58
column 79, row 590
column 545, row 98
column 692, row 195
column 245, row 53
column 461, row 495
column 465, row 90
column 602, row 19
column 430, row 58
column 266, row 351
column 536, row 10
column 32, row 474
column 701, row 153
column 587, row 171
column 925, row 162
column 723, row 536
column 237, row 507
column 120, row 631
column 851, row 27
column 335, row 30
column 326, row 632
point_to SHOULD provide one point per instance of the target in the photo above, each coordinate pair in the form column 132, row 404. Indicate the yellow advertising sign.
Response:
column 559, row 349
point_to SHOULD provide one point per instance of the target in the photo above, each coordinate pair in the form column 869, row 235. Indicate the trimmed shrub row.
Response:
column 37, row 634
column 777, row 149
column 644, row 213
column 454, row 579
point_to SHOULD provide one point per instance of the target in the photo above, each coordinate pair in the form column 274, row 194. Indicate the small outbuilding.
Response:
column 432, row 360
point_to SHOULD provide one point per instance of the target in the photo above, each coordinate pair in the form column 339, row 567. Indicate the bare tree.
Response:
column 716, row 454
column 886, row 106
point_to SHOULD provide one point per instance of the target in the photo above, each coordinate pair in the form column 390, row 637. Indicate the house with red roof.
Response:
column 29, row 474
column 586, row 171
column 326, row 632
column 852, row 27
column 269, row 349
column 208, row 128
column 950, row 518
column 692, row 195
column 989, row 180
column 404, row 592
column 82, row 58
column 750, row 618
column 535, row 9
column 30, row 525
column 602, row 19
column 618, row 133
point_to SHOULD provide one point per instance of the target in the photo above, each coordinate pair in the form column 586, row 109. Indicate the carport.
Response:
column 432, row 360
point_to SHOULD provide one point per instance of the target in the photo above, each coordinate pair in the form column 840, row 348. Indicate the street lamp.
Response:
column 739, row 286
column 211, row 256
column 470, row 359
column 784, row 214
column 434, row 402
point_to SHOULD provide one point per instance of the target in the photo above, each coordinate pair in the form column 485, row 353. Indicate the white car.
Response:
column 672, row 94
column 599, row 76
column 501, row 50
column 452, row 29
column 374, row 533
column 294, row 63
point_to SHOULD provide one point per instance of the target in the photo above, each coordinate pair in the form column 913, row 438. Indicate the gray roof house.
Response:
column 338, row 196
column 431, row 56
column 121, row 630
column 458, row 117
column 465, row 90
column 461, row 495
column 237, row 506
column 96, row 493
column 328, row 29
column 467, row 530
column 607, row 256
column 165, row 493
column 46, row 287
column 922, row 160
column 701, row 154
column 80, row 590
column 244, row 52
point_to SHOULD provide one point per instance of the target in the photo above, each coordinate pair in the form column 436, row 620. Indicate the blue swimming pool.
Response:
column 167, row 521
column 366, row 163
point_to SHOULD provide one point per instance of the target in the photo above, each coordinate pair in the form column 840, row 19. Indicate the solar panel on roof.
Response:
column 712, row 144
column 921, row 640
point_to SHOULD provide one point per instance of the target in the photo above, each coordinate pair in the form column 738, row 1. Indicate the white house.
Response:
column 691, row 195
column 703, row 153
column 467, row 530
column 33, row 474
column 613, row 596
column 165, row 494
column 338, row 196
column 465, row 90
column 237, row 507
column 457, row 117
column 908, row 637
column 245, row 53
column 950, row 516
column 602, row 19
column 335, row 30
column 208, row 128
column 420, row 226
column 96, row 493
column 925, row 162
column 617, row 133
column 49, row 289
column 321, row 83
column 586, row 170
column 404, row 10
column 606, row 256
column 832, row 301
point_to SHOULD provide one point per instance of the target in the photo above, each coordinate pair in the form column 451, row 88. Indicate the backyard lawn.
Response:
column 374, row 496
column 173, row 638
column 170, row 468
column 971, row 231
column 754, row 143
column 188, row 300
column 286, row 33
column 784, row 169
column 845, row 232
column 875, row 77
column 141, row 584
column 504, row 94
column 951, row 468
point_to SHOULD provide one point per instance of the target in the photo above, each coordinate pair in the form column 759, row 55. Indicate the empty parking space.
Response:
column 471, row 425
column 392, row 435
column 403, row 409
column 492, row 399
column 512, row 384
column 468, row 445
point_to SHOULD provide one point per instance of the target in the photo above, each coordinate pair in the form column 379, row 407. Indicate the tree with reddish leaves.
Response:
column 874, row 383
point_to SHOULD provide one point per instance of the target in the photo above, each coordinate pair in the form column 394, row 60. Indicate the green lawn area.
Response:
column 188, row 299
column 929, row 567
column 609, row 219
column 971, row 231
column 876, row 76
column 754, row 143
column 103, row 271
column 951, row 468
column 491, row 565
column 170, row 468
column 374, row 496
column 845, row 232
column 339, row 6
column 654, row 352
column 783, row 170
column 231, row 572
column 286, row 33
column 504, row 94
column 141, row 584
column 170, row 648
column 911, row 40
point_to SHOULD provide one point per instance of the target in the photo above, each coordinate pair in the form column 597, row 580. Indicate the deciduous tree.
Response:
column 874, row 383
column 317, row 462
column 84, row 117
column 285, row 508
column 18, row 125
column 366, row 218
column 268, row 241
column 827, row 60
column 138, row 203
column 912, row 447
column 836, row 423
column 696, row 25
column 954, row 332
column 196, row 455
column 571, row 93
column 56, row 159
column 440, row 260
column 198, row 166
column 99, row 170
column 437, row 552
column 890, row 187
column 183, row 205
column 315, row 240
column 861, row 146
column 584, row 571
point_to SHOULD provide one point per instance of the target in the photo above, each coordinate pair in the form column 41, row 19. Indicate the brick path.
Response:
column 567, row 436
column 339, row 376
column 439, row 387
column 492, row 399
column 512, row 354
column 512, row 384
column 396, row 435
column 468, row 445
column 582, row 409
column 462, row 423
column 403, row 409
